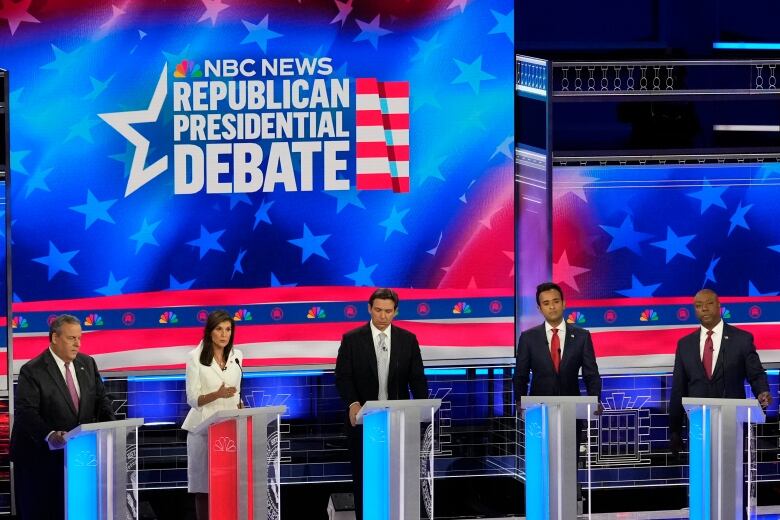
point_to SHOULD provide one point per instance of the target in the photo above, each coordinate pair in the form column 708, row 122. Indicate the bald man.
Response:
column 713, row 361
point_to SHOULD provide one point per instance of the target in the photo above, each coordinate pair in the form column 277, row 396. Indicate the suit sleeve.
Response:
column 345, row 382
column 28, row 407
column 522, row 368
column 679, row 390
column 590, row 369
column 417, row 381
column 103, row 409
column 754, row 371
column 193, row 382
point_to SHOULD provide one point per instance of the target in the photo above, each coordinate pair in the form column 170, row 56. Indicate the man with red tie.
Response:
column 58, row 390
column 555, row 352
column 713, row 361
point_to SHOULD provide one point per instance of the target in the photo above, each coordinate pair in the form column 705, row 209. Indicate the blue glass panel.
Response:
column 376, row 466
column 82, row 477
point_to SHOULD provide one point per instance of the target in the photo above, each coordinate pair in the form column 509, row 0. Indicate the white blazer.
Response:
column 206, row 379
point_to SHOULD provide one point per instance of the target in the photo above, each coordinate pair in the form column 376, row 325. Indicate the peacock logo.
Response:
column 93, row 320
column 461, row 308
column 187, row 68
column 19, row 322
column 316, row 313
column 168, row 317
column 575, row 317
column 725, row 313
column 648, row 315
column 242, row 315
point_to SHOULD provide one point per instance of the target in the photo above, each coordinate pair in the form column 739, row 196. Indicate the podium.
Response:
column 244, row 478
column 393, row 468
column 551, row 453
column 101, row 474
column 716, row 446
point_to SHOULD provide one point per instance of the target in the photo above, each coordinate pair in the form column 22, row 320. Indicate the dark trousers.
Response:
column 355, row 440
column 39, row 485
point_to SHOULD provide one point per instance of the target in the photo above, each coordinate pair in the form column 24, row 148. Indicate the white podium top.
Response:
column 106, row 425
column 400, row 404
column 226, row 415
column 527, row 401
column 742, row 405
column 580, row 403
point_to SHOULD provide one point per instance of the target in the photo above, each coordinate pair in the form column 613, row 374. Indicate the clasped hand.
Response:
column 224, row 392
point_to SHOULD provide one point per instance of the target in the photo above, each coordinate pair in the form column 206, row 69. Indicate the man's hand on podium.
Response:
column 599, row 410
column 675, row 444
column 764, row 399
column 354, row 408
column 56, row 440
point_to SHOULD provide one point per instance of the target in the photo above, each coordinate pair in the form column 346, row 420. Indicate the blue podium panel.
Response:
column 537, row 469
column 376, row 466
column 700, row 469
column 81, row 477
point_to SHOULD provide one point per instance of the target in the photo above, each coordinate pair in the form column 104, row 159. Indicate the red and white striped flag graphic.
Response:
column 382, row 136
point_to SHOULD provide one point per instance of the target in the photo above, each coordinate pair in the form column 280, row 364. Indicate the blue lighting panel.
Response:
column 376, row 466
column 746, row 46
column 156, row 399
column 82, row 477
column 537, row 470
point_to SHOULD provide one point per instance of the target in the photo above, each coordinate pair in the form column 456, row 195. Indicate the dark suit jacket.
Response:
column 43, row 403
column 356, row 371
column 737, row 361
column 533, row 355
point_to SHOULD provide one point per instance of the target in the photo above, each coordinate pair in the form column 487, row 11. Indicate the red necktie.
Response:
column 706, row 358
column 555, row 349
column 74, row 396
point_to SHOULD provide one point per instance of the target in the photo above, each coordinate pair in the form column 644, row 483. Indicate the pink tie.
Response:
column 74, row 396
column 555, row 349
column 706, row 358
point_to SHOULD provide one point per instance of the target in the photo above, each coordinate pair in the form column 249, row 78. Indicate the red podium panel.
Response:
column 244, row 463
column 223, row 471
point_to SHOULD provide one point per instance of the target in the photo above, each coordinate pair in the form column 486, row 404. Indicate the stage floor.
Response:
column 764, row 513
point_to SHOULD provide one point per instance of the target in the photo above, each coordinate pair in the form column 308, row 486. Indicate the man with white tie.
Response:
column 376, row 362
column 58, row 390
column 713, row 361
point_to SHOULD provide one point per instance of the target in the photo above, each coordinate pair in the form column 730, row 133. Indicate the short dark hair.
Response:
column 56, row 324
column 547, row 286
column 384, row 294
column 214, row 319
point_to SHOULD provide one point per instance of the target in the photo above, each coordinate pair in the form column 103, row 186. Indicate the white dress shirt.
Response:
column 382, row 359
column 561, row 335
column 717, row 337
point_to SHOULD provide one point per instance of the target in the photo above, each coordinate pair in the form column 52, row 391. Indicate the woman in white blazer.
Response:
column 213, row 384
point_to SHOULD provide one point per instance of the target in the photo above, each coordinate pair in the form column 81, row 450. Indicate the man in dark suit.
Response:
column 555, row 352
column 376, row 362
column 57, row 391
column 714, row 361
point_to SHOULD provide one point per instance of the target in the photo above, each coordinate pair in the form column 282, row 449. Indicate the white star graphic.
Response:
column 122, row 122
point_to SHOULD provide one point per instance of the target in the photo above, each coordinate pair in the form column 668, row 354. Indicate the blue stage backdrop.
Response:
column 633, row 244
column 173, row 157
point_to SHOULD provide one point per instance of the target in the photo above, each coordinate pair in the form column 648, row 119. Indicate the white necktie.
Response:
column 382, row 362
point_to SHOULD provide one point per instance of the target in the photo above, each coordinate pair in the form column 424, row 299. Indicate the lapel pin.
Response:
column 725, row 337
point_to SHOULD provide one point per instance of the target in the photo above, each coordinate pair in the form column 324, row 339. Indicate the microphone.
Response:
column 384, row 348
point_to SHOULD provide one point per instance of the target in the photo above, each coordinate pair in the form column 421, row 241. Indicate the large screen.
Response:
column 276, row 158
column 633, row 244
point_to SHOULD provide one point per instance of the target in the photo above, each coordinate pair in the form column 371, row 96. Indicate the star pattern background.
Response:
column 76, row 235
column 667, row 231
